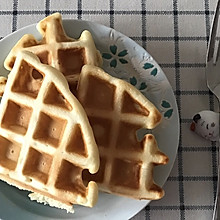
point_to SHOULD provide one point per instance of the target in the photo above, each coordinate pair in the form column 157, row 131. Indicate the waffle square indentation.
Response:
column 49, row 129
column 102, row 130
column 130, row 143
column 55, row 97
column 16, row 117
column 71, row 60
column 76, row 143
column 126, row 173
column 37, row 165
column 9, row 153
column 44, row 57
column 28, row 80
column 130, row 105
column 100, row 94
column 69, row 179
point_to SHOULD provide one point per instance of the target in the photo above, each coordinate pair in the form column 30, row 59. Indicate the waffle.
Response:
column 3, row 81
column 66, row 54
column 45, row 136
column 116, row 111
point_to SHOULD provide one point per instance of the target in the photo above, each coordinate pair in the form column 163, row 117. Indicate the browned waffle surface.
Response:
column 116, row 111
column 45, row 137
column 66, row 54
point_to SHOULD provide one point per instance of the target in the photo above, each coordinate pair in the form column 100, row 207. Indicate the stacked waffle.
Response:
column 66, row 126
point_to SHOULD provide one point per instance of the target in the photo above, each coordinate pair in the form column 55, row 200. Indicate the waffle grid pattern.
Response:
column 191, row 21
column 56, row 49
column 126, row 163
column 32, row 159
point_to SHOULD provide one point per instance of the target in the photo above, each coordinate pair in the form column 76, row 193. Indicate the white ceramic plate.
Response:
column 124, row 59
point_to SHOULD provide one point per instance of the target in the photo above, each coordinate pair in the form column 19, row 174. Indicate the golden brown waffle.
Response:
column 66, row 54
column 45, row 137
column 3, row 81
column 116, row 110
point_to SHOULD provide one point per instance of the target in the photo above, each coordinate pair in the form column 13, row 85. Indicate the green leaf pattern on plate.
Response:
column 141, row 86
column 114, row 56
column 154, row 72
column 106, row 56
column 113, row 49
column 165, row 104
column 113, row 63
column 168, row 113
column 123, row 53
column 123, row 61
column 133, row 81
column 147, row 66
column 168, row 110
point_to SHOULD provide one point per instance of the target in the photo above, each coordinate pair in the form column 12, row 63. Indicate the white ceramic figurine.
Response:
column 206, row 124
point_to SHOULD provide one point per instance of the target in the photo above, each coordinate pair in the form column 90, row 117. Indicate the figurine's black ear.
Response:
column 196, row 118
